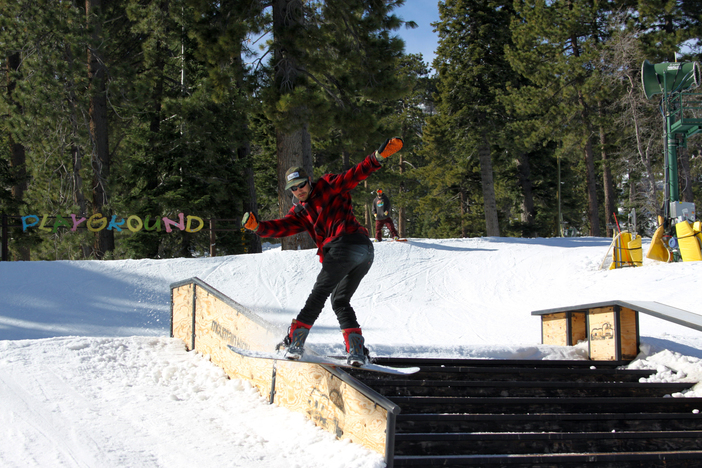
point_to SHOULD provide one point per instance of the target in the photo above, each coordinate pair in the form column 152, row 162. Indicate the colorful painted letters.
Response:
column 98, row 222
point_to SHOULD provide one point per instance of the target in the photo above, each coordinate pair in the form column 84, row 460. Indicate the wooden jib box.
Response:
column 611, row 330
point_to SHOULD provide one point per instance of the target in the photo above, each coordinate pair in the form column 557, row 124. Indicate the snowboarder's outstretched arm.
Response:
column 288, row 225
column 348, row 180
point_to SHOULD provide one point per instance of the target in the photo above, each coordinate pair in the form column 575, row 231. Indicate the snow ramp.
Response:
column 207, row 321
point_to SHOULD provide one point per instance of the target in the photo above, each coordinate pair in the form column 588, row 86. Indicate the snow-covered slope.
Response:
column 89, row 377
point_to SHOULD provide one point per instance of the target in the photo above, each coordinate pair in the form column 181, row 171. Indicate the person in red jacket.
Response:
column 381, row 212
column 323, row 209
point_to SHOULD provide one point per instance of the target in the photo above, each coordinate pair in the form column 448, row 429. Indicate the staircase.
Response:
column 537, row 414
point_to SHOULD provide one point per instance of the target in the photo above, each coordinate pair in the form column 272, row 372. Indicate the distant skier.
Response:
column 324, row 210
column 381, row 212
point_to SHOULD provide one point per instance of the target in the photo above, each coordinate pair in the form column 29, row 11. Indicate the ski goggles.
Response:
column 297, row 187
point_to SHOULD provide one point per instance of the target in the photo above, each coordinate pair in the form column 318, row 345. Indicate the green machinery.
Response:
column 682, row 111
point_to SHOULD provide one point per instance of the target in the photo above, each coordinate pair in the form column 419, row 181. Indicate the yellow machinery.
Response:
column 626, row 250
column 658, row 250
column 687, row 242
column 688, row 239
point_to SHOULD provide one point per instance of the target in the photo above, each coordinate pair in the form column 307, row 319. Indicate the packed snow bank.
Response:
column 145, row 401
column 89, row 377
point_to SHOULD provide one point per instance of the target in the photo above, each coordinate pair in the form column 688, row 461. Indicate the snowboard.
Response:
column 329, row 361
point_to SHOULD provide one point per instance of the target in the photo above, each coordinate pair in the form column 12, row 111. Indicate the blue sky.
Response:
column 421, row 40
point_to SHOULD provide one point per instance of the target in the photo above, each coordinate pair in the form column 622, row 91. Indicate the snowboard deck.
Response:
column 326, row 360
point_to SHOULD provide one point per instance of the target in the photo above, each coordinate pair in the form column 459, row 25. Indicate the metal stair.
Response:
column 537, row 414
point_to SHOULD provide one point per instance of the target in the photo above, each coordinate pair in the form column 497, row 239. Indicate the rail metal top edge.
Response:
column 653, row 308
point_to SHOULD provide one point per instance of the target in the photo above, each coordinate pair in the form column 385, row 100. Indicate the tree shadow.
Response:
column 660, row 344
column 48, row 299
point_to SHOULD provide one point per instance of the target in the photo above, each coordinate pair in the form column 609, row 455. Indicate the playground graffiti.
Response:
column 98, row 222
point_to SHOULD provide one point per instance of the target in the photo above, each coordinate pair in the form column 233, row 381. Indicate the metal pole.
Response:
column 673, row 167
column 213, row 249
column 670, row 156
column 560, row 215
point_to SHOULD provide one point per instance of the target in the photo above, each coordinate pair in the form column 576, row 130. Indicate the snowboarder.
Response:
column 323, row 209
column 381, row 212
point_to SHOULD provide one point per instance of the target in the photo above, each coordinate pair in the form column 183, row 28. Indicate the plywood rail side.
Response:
column 207, row 321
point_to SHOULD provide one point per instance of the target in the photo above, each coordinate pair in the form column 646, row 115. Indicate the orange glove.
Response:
column 390, row 147
column 249, row 221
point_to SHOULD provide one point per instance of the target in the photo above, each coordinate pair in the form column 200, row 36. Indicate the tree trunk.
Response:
column 685, row 176
column 368, row 220
column 492, row 227
column 76, row 150
column 645, row 146
column 18, row 159
column 527, row 205
column 100, row 154
column 462, row 211
column 243, row 154
column 346, row 160
column 251, row 203
column 401, row 228
column 592, row 205
column 607, row 180
column 293, row 149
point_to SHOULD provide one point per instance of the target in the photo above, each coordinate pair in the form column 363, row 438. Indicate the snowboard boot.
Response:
column 355, row 349
column 295, row 341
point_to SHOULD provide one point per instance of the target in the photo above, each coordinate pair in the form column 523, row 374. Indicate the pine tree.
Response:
column 99, row 130
column 409, row 115
column 556, row 47
column 47, row 33
column 187, row 149
column 664, row 26
column 472, row 72
column 13, row 166
column 332, row 65
column 173, row 145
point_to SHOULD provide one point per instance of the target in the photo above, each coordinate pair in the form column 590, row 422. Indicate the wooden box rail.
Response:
column 207, row 321
column 610, row 328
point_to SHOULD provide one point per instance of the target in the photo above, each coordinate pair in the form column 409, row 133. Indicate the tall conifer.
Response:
column 556, row 47
column 332, row 67
column 472, row 72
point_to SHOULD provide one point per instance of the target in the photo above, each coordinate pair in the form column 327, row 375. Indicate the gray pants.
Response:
column 343, row 268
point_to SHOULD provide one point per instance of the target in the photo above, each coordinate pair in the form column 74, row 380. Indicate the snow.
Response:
column 90, row 378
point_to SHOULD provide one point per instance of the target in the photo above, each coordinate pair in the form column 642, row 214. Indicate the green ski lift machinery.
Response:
column 682, row 111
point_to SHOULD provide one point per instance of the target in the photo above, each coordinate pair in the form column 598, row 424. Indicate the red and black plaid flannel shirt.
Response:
column 327, row 213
